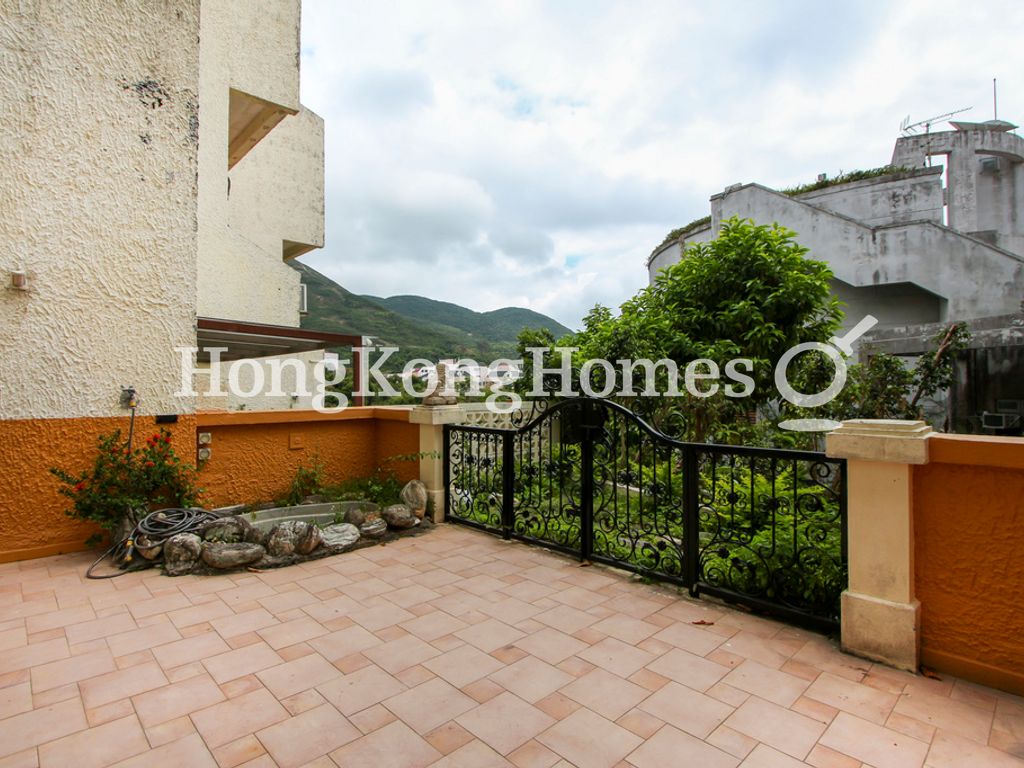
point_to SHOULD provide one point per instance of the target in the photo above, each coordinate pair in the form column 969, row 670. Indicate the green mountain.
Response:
column 422, row 328
column 498, row 325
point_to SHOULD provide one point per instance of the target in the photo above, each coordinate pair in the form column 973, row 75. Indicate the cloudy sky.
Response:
column 533, row 153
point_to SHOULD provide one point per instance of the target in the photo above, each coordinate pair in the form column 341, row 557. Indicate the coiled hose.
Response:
column 155, row 528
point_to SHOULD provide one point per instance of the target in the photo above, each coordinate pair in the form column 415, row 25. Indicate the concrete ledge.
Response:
column 436, row 414
column 881, row 630
column 900, row 442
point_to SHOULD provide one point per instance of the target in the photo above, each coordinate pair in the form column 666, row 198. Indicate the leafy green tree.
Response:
column 750, row 293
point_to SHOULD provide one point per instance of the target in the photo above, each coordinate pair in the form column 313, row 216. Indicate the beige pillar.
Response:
column 880, row 614
column 432, row 419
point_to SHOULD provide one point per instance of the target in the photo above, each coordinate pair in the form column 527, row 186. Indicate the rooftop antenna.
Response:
column 913, row 129
column 995, row 112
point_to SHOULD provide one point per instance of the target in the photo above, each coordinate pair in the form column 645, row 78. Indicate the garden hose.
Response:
column 156, row 528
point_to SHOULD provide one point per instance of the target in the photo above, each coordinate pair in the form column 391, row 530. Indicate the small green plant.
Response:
column 124, row 483
column 307, row 481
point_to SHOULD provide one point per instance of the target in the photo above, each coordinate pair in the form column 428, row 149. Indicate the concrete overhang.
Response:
column 243, row 341
column 250, row 120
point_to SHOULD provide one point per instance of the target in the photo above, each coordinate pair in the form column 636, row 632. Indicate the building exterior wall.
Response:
column 275, row 192
column 98, row 158
column 900, row 197
column 969, row 566
column 254, row 456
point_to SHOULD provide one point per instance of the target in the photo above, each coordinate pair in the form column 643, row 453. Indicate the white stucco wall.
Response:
column 276, row 191
column 98, row 159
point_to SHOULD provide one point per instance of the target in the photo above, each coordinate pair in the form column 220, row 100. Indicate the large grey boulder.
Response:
column 340, row 536
column 414, row 496
column 373, row 528
column 229, row 530
column 292, row 537
column 226, row 556
column 399, row 516
column 181, row 553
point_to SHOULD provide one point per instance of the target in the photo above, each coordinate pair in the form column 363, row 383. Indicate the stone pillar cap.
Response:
column 891, row 440
column 436, row 414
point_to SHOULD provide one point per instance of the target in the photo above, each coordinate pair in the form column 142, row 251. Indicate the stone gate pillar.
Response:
column 880, row 613
column 432, row 419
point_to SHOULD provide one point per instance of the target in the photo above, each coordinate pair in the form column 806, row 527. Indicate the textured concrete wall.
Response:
column 969, row 565
column 98, row 147
column 255, row 455
column 33, row 522
column 913, row 196
column 254, row 48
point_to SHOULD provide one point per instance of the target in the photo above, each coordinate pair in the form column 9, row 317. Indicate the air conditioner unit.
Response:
column 999, row 420
column 990, row 165
column 303, row 299
column 1009, row 406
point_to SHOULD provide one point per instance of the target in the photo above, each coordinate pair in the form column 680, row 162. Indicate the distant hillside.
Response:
column 333, row 308
column 497, row 325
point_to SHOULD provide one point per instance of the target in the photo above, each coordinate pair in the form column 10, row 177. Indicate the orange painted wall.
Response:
column 969, row 558
column 32, row 514
column 255, row 455
column 254, row 458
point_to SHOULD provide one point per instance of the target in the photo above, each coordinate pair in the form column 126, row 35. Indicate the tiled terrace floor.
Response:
column 451, row 649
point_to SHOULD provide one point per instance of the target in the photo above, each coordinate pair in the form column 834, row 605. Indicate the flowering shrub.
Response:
column 125, row 484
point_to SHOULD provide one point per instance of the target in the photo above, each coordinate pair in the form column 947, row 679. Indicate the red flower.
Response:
column 167, row 439
column 79, row 486
column 150, row 464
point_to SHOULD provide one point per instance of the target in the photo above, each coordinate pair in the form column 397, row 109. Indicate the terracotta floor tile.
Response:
column 236, row 717
column 97, row 747
column 531, row 679
column 126, row 643
column 686, row 709
column 474, row 754
column 616, row 656
column 771, row 684
column 670, row 747
column 299, row 675
column 433, row 625
column 947, row 714
column 361, row 689
column 395, row 745
column 291, row 632
column 786, row 731
column 689, row 669
column 533, row 754
column 587, row 739
column 199, row 614
column 242, row 661
column 241, row 686
column 29, row 656
column 399, row 654
column 823, row 757
column 873, row 744
column 764, row 756
column 856, row 698
column 305, row 737
column 448, row 737
column 172, row 730
column 605, row 693
column 58, row 673
column 162, row 704
column 566, row 619
column 429, row 705
column 239, row 751
column 191, row 649
column 15, row 699
column 344, row 642
column 696, row 640
column 241, row 623
column 733, row 742
column 121, row 684
column 189, row 752
column 551, row 645
column 506, row 722
column 950, row 750
column 59, row 619
column 482, row 690
column 463, row 665
column 30, row 729
column 303, row 701
column 372, row 718
column 490, row 635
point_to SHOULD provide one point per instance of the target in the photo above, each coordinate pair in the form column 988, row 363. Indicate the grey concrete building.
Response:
column 913, row 251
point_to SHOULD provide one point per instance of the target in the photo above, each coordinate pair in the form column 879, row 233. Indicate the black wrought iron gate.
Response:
column 762, row 527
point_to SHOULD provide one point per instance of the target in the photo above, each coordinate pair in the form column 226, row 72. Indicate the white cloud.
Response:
column 532, row 154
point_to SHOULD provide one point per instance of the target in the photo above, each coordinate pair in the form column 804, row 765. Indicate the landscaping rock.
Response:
column 225, row 556
column 310, row 540
column 288, row 537
column 340, row 536
column 355, row 512
column 399, row 516
column 414, row 496
column 373, row 528
column 228, row 530
column 181, row 553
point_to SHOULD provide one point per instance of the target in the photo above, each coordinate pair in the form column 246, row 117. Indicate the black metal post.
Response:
column 691, row 524
column 587, row 483
column 508, row 474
